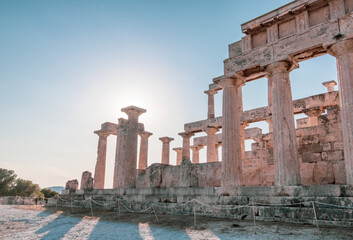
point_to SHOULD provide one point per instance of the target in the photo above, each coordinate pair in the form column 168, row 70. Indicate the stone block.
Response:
column 337, row 146
column 307, row 173
column 332, row 155
column 326, row 146
column 310, row 139
column 71, row 185
column 339, row 172
column 323, row 173
column 310, row 157
column 86, row 181
column 313, row 148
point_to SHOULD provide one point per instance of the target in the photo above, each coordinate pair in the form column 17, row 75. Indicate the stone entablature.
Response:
column 298, row 31
column 323, row 100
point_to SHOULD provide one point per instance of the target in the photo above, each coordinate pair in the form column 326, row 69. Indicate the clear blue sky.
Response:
column 68, row 66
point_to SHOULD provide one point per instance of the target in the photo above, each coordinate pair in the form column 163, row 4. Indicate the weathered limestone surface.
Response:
column 211, row 144
column 71, row 185
column 263, row 114
column 343, row 51
column 143, row 157
column 86, row 181
column 165, row 149
column 127, row 153
column 196, row 153
column 186, row 144
column 99, row 173
column 231, row 137
column 284, row 138
column 179, row 155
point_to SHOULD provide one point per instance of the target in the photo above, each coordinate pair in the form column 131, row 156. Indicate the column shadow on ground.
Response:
column 58, row 227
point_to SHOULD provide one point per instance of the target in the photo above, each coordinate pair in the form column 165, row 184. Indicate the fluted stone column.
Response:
column 285, row 149
column 196, row 154
column 99, row 173
column 179, row 158
column 186, row 144
column 211, row 143
column 165, row 149
column 143, row 149
column 210, row 94
column 119, row 149
column 217, row 151
column 231, row 137
column 343, row 51
column 127, row 164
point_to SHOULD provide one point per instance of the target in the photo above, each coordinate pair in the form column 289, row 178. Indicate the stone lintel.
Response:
column 166, row 139
column 262, row 114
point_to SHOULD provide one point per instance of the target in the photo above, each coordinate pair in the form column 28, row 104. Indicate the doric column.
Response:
column 211, row 143
column 143, row 149
column 119, row 149
column 313, row 115
column 196, row 154
column 231, row 136
column 210, row 94
column 127, row 163
column 186, row 144
column 330, row 85
column 165, row 149
column 217, row 152
column 343, row 51
column 99, row 173
column 179, row 158
column 285, row 149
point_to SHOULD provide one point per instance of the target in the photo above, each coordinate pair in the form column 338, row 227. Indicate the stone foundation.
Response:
column 289, row 204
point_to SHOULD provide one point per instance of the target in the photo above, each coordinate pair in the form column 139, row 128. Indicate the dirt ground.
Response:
column 36, row 222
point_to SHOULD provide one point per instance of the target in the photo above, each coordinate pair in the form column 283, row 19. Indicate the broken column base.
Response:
column 271, row 203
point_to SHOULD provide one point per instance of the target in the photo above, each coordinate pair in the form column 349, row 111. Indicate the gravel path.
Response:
column 33, row 222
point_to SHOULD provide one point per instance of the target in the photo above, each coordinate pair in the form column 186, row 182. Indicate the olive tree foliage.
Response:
column 10, row 186
column 7, row 180
column 48, row 193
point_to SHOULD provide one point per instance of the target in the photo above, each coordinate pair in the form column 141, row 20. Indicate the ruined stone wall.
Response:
column 320, row 151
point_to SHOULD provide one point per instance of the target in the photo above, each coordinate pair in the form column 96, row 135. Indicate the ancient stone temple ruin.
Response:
column 312, row 159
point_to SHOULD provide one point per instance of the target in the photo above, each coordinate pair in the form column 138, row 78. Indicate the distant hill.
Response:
column 56, row 189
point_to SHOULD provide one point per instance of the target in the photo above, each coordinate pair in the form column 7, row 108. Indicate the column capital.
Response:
column 133, row 111
column 145, row 134
column 279, row 67
column 196, row 148
column 186, row 134
column 102, row 133
column 210, row 130
column 232, row 82
column 166, row 139
column 313, row 112
column 341, row 48
column 330, row 85
column 210, row 92
column 178, row 149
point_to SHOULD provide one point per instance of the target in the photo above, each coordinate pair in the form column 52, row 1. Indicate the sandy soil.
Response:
column 35, row 222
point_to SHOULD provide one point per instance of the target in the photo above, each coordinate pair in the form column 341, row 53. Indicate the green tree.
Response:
column 25, row 188
column 48, row 193
column 7, row 179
